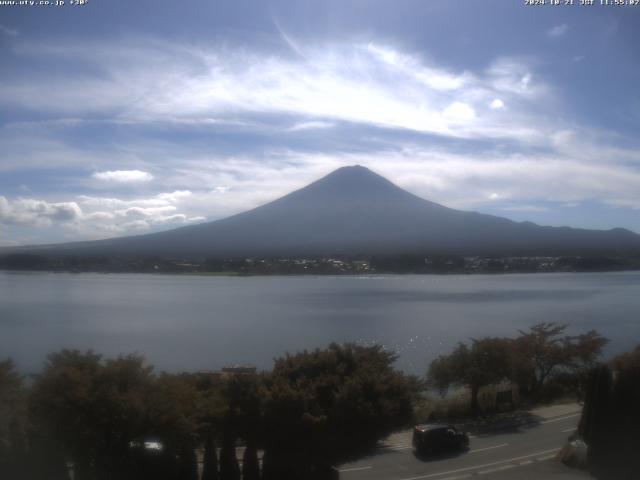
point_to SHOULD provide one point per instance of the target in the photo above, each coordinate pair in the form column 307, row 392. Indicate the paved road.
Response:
column 518, row 452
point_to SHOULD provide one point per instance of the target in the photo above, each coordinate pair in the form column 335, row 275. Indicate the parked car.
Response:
column 437, row 437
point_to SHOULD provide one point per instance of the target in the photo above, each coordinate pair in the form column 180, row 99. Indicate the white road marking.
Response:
column 495, row 469
column 501, row 468
column 568, row 430
column 546, row 457
column 404, row 446
column 354, row 469
column 475, row 467
column 488, row 448
column 561, row 418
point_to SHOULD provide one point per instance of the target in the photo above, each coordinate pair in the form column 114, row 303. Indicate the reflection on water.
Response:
column 475, row 296
column 192, row 322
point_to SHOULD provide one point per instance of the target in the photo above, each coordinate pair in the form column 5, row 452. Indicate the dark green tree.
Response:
column 210, row 461
column 96, row 409
column 13, row 423
column 610, row 422
column 229, row 468
column 119, row 401
column 241, row 418
column 188, row 467
column 47, row 458
column 545, row 350
column 242, row 399
column 270, row 469
column 250, row 464
column 62, row 397
column 484, row 362
column 172, row 410
column 629, row 361
column 340, row 400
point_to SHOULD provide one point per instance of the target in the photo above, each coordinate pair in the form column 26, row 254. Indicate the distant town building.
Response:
column 225, row 373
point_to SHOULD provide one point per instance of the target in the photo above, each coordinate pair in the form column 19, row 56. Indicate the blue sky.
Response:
column 122, row 117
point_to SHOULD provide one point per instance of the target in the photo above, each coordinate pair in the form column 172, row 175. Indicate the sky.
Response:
column 121, row 118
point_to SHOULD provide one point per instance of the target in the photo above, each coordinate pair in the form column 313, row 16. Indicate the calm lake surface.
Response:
column 197, row 322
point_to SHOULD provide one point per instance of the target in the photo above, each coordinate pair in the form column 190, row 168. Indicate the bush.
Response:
column 610, row 422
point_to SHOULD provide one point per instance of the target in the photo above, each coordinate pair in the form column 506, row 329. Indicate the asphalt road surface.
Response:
column 519, row 453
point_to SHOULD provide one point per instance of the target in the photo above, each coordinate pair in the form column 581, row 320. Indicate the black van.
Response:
column 436, row 438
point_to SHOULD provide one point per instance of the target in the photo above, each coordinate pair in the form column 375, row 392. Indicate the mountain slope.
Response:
column 355, row 211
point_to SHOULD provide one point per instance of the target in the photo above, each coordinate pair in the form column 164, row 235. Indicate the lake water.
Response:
column 198, row 322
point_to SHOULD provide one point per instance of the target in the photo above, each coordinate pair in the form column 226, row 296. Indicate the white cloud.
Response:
column 175, row 196
column 99, row 217
column 111, row 216
column 524, row 208
column 312, row 125
column 159, row 200
column 459, row 112
column 123, row 176
column 431, row 77
column 370, row 84
column 558, row 30
column 28, row 211
column 512, row 76
column 148, row 212
column 462, row 180
column 496, row 104
column 135, row 226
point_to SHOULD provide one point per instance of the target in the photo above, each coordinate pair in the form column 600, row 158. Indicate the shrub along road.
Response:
column 515, row 451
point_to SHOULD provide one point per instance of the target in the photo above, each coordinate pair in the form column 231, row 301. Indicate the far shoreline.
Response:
column 313, row 274
column 328, row 264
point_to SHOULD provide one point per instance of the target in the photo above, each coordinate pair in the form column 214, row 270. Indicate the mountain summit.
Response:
column 353, row 182
column 354, row 211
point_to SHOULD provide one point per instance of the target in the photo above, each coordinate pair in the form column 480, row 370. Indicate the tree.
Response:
column 484, row 362
column 325, row 405
column 210, row 461
column 119, row 404
column 47, row 457
column 627, row 361
column 610, row 422
column 171, row 410
column 62, row 406
column 250, row 465
column 545, row 350
column 188, row 469
column 96, row 408
column 13, row 423
column 229, row 468
column 241, row 416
